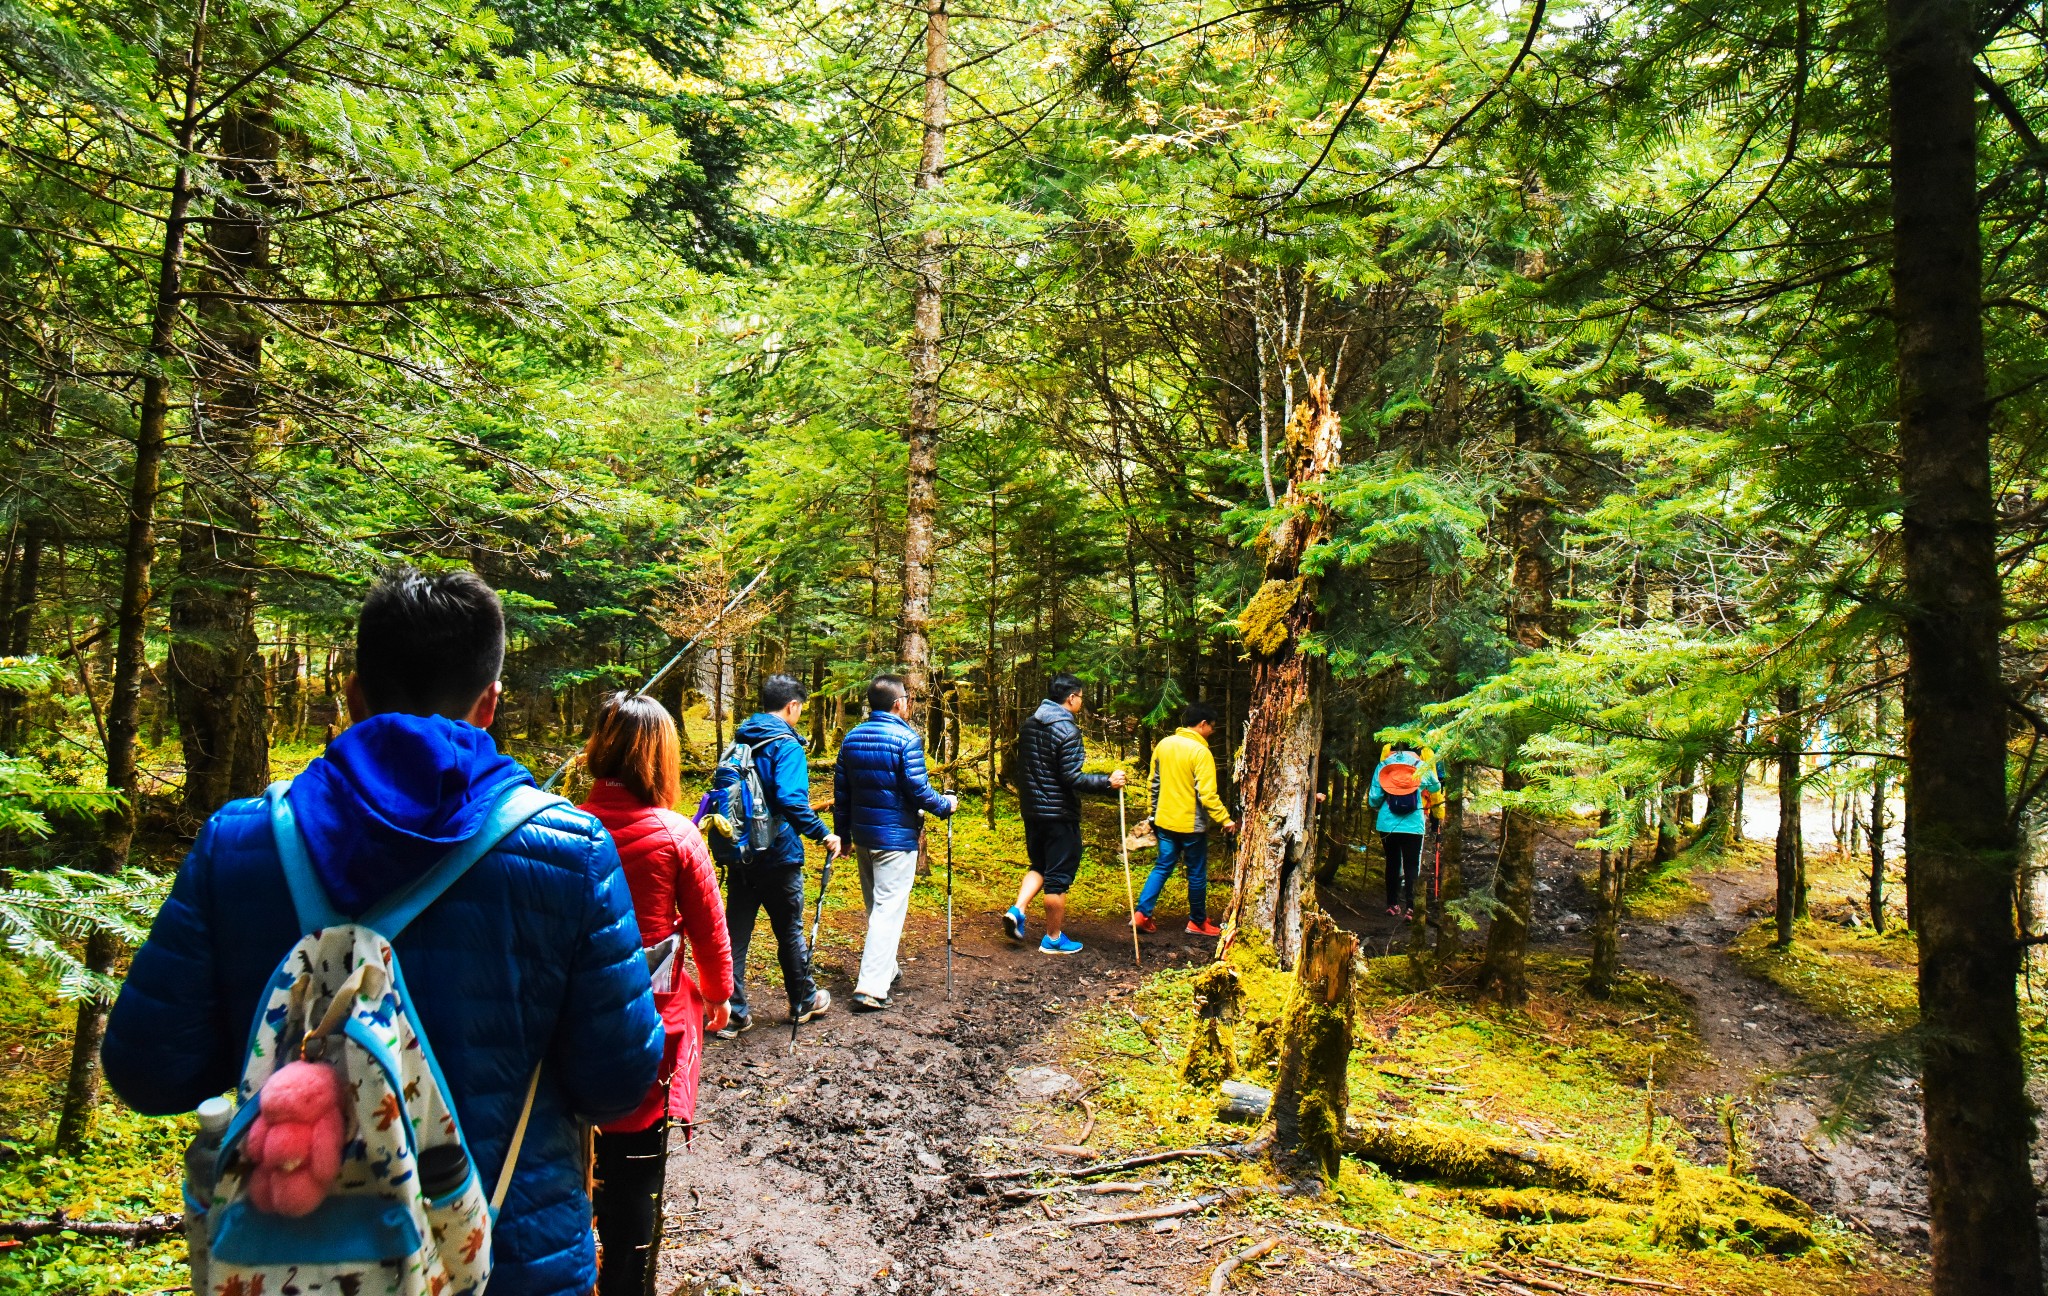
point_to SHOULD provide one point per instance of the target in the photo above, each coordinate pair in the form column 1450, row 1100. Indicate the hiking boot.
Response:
column 1060, row 944
column 1143, row 922
column 1013, row 923
column 1203, row 928
column 820, row 1004
column 739, row 1025
column 866, row 1003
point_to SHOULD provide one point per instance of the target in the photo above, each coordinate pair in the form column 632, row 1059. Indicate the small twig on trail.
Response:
column 1168, row 1211
column 1070, row 1150
column 1217, row 1242
column 142, row 1230
column 970, row 954
column 1115, row 1167
column 1221, row 1278
column 1029, row 1194
column 1515, row 1281
column 1089, row 1128
column 1606, row 1277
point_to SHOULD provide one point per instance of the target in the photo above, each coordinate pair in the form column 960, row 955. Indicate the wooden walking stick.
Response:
column 1123, row 846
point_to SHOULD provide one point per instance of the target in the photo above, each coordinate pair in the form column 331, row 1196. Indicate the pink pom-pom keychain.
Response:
column 295, row 1141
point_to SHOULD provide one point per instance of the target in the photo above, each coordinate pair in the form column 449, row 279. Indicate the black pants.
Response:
column 631, row 1171
column 781, row 892
column 1404, row 863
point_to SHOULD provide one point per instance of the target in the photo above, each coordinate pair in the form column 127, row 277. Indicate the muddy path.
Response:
column 851, row 1163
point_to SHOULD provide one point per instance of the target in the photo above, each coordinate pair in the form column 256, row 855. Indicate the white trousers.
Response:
column 885, row 881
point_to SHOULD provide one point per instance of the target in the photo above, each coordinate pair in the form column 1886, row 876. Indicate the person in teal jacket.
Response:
column 1399, row 783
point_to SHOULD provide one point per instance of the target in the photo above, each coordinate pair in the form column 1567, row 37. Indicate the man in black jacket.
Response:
column 1049, row 784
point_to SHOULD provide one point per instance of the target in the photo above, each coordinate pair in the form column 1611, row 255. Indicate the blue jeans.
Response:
column 1194, row 849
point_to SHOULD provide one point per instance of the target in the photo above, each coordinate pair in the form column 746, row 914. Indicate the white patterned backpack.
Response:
column 406, row 1213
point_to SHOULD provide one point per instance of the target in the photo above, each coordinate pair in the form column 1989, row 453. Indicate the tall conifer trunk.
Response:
column 138, row 554
column 1504, row 971
column 1961, row 851
column 921, row 473
column 215, row 678
column 1789, row 851
column 1283, row 732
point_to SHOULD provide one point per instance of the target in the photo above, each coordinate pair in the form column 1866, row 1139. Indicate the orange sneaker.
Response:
column 1143, row 922
column 1203, row 928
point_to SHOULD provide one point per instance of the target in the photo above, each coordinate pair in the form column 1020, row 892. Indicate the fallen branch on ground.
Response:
column 1516, row 1281
column 1606, row 1277
column 142, row 1230
column 1027, row 1194
column 1168, row 1211
column 1115, row 1167
column 1221, row 1278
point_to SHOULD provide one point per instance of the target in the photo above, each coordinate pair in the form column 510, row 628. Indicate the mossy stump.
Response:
column 1211, row 1058
column 1312, row 1091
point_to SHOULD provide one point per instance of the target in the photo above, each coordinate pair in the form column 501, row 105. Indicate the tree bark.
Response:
column 117, row 827
column 1277, row 774
column 1791, row 846
column 1504, row 972
column 21, row 620
column 1311, row 1091
column 1607, row 886
column 1961, row 852
column 1448, row 870
column 214, row 670
column 926, row 366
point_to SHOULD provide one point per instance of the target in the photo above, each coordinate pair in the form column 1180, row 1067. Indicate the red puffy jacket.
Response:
column 675, row 889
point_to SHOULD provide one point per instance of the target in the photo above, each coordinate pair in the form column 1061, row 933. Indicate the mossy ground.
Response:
column 130, row 1168
column 1838, row 965
column 1568, row 1071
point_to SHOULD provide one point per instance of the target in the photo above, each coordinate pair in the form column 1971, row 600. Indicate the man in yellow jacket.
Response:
column 1184, row 805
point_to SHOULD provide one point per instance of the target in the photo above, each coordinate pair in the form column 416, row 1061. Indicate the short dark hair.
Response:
column 428, row 645
column 778, row 691
column 1195, row 714
column 885, row 691
column 1063, row 686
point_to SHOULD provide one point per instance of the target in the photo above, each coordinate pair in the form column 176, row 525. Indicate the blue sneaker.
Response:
column 1013, row 922
column 1060, row 944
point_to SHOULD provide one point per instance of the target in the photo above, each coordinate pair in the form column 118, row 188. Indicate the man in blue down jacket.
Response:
column 533, row 956
column 879, row 786
column 775, row 881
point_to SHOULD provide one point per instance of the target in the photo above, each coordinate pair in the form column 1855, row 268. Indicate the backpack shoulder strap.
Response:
column 391, row 915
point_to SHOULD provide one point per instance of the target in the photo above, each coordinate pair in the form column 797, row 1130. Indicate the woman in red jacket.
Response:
column 634, row 758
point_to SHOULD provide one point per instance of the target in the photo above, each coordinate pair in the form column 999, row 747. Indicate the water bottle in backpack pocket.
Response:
column 738, row 824
column 344, row 1171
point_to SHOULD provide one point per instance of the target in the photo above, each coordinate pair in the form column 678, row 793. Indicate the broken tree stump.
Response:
column 1312, row 1091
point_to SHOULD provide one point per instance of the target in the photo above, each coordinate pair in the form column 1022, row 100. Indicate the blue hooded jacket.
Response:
column 879, row 784
column 785, row 769
column 532, row 955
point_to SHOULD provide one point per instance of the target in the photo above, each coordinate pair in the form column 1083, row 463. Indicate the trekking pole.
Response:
column 949, row 897
column 811, row 947
column 669, row 665
column 1123, row 845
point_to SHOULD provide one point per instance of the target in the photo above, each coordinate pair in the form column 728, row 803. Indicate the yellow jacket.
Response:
column 1184, row 784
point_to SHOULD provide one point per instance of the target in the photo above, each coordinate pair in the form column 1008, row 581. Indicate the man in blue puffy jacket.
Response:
column 879, row 788
column 774, row 881
column 531, row 958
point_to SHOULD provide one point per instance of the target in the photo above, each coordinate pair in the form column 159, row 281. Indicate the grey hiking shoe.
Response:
column 738, row 1025
column 820, row 1004
column 863, row 1003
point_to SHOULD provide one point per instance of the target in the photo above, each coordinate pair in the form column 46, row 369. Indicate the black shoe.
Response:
column 868, row 1004
column 739, row 1025
column 820, row 1004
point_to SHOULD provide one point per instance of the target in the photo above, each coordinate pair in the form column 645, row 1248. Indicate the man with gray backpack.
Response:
column 762, row 788
column 418, row 973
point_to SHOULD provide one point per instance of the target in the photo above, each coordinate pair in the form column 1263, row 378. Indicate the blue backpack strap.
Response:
column 309, row 897
column 391, row 915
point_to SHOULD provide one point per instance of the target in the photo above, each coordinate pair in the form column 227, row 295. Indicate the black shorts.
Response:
column 1054, row 848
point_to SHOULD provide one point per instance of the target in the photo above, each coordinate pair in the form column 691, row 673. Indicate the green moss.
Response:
column 1851, row 973
column 1210, row 1058
column 1263, row 623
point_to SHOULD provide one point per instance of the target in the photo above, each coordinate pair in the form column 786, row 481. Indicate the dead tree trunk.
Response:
column 1791, row 847
column 1311, row 1093
column 1505, row 972
column 1961, row 853
column 1607, row 887
column 926, row 365
column 216, row 687
column 1878, row 791
column 1277, row 773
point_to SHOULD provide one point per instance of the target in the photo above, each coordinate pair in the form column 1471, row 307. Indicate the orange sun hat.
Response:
column 1400, row 778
